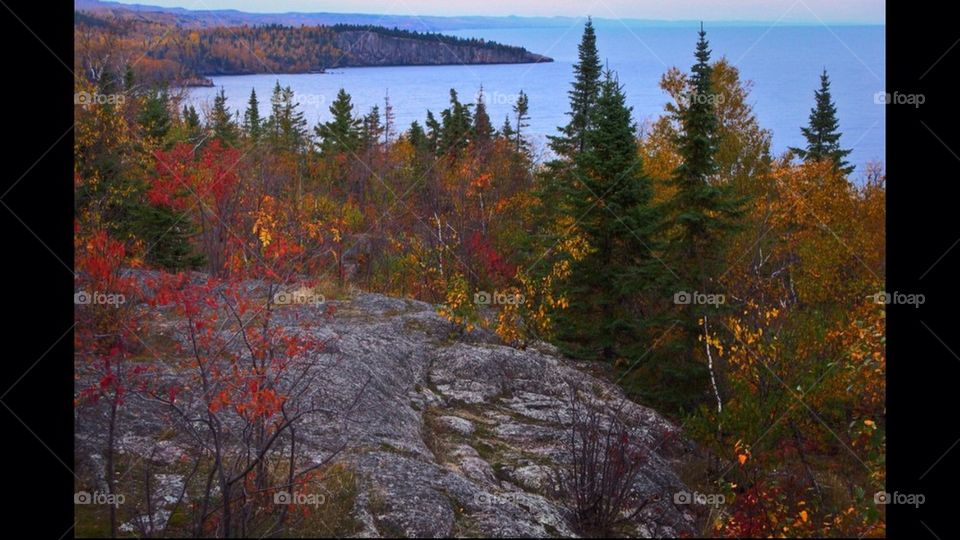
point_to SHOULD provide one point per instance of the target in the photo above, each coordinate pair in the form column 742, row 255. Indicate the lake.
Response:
column 783, row 63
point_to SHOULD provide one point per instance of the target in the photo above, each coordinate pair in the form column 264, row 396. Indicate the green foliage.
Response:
column 611, row 197
column 342, row 133
column 822, row 133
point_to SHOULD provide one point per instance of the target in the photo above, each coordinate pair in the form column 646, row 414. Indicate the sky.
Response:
column 784, row 11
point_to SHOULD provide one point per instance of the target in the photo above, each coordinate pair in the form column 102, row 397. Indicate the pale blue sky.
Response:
column 784, row 11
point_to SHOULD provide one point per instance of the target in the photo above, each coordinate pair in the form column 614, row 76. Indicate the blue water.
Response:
column 783, row 63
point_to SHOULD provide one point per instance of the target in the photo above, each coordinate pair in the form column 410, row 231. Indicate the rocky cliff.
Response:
column 447, row 435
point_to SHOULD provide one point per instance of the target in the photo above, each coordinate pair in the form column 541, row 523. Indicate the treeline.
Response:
column 429, row 36
column 722, row 284
column 159, row 52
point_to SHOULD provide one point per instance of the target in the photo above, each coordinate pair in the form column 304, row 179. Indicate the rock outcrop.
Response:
column 450, row 435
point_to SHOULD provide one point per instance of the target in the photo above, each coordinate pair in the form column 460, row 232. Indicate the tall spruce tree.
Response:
column 606, row 318
column 822, row 133
column 342, row 133
column 252, row 123
column 705, row 210
column 456, row 125
column 154, row 117
column 583, row 95
column 571, row 139
column 521, row 112
column 221, row 120
column 482, row 127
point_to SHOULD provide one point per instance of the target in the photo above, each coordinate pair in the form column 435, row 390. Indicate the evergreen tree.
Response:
column 287, row 126
column 705, row 210
column 482, row 127
column 506, row 130
column 606, row 319
column 167, row 236
column 389, row 119
column 822, row 133
column 342, row 133
column 521, row 111
column 456, row 125
column 272, row 125
column 433, row 132
column 190, row 125
column 583, row 96
column 252, row 123
column 221, row 121
column 372, row 128
column 154, row 117
column 418, row 138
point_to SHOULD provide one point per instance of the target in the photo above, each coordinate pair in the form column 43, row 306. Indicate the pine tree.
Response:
column 521, row 110
column 482, row 127
column 287, row 125
column 372, row 128
column 705, row 210
column 221, row 121
column 605, row 319
column 506, row 131
column 252, row 124
column 389, row 119
column 191, row 125
column 342, row 134
column 167, row 235
column 418, row 138
column 822, row 133
column 154, row 117
column 583, row 95
column 456, row 125
column 433, row 132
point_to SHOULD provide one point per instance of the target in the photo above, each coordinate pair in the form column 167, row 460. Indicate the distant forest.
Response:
column 162, row 52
